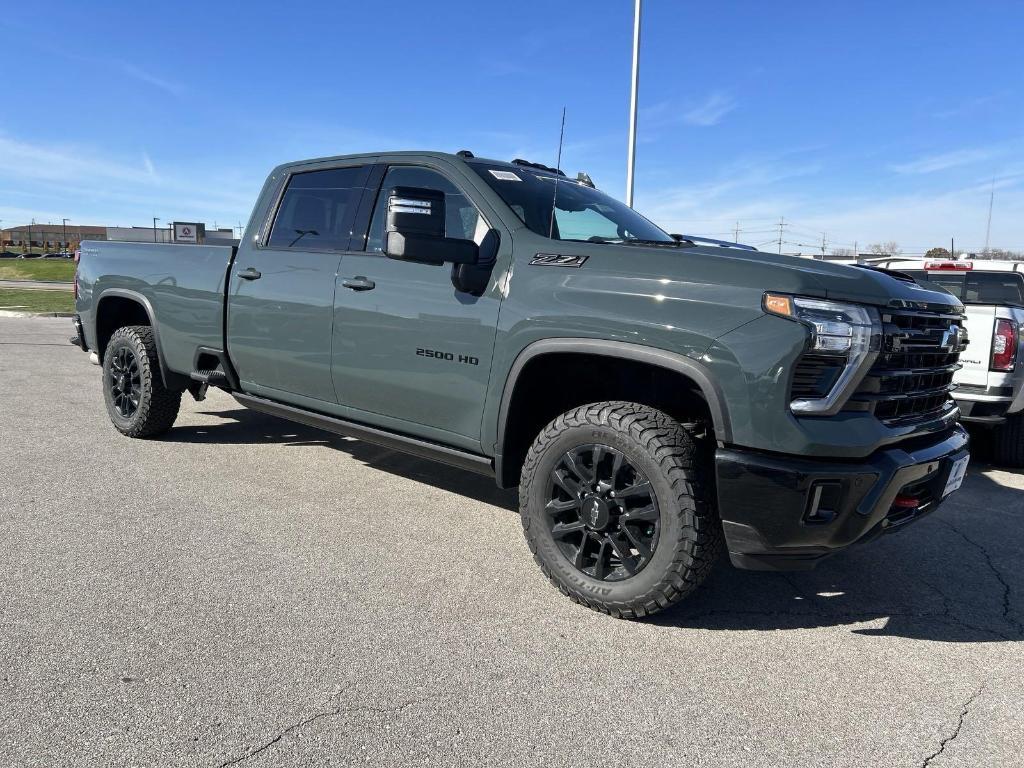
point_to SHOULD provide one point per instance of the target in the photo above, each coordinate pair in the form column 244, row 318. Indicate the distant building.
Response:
column 57, row 237
column 49, row 237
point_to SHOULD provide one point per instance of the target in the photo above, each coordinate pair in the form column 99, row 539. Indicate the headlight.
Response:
column 850, row 332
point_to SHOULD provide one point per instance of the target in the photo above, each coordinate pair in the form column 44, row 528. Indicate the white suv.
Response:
column 990, row 386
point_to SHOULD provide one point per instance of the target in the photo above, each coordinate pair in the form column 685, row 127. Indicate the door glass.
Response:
column 461, row 216
column 317, row 208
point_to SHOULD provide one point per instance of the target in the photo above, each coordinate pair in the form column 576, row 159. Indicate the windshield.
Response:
column 581, row 212
column 985, row 288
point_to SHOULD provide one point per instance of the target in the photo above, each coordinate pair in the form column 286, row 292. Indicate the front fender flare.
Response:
column 672, row 361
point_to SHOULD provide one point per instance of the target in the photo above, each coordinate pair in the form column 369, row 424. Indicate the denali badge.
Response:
column 557, row 260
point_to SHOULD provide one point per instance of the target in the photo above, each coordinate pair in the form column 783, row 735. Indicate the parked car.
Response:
column 990, row 385
column 652, row 400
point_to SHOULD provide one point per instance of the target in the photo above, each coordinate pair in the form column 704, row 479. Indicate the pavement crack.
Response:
column 333, row 712
column 1007, row 590
column 960, row 724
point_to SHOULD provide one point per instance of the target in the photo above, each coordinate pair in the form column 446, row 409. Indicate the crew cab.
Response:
column 654, row 400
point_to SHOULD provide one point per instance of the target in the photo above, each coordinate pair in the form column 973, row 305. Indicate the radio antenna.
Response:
column 558, row 171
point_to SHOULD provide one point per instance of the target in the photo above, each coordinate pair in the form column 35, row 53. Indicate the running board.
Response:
column 422, row 448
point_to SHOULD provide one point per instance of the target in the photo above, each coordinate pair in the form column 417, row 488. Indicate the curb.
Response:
column 12, row 313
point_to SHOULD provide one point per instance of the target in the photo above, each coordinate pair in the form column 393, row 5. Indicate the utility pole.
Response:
column 782, row 224
column 736, row 237
column 988, row 227
column 856, row 256
column 822, row 245
column 631, row 161
column 240, row 230
column 64, row 243
column 952, row 248
column 155, row 220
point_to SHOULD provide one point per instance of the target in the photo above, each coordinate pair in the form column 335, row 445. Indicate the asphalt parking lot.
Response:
column 246, row 591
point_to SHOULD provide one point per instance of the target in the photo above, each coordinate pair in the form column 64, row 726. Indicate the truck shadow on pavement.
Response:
column 242, row 426
column 953, row 577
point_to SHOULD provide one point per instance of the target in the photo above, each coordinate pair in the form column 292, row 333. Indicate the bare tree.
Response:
column 890, row 248
column 1002, row 254
column 843, row 253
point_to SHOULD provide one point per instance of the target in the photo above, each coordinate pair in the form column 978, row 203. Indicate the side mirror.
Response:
column 415, row 229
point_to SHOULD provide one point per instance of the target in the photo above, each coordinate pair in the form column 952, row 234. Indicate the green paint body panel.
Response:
column 297, row 335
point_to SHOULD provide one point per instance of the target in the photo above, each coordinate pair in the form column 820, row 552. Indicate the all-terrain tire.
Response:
column 680, row 474
column 1008, row 442
column 157, row 407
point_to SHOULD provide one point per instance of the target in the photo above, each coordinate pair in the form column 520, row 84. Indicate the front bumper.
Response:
column 784, row 513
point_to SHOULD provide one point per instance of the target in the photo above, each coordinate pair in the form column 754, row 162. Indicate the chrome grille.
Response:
column 912, row 377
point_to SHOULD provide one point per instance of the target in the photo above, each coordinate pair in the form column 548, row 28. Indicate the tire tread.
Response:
column 683, row 464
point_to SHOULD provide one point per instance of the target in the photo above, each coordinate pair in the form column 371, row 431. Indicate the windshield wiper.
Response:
column 640, row 241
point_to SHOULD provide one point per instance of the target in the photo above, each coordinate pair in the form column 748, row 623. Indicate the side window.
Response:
column 317, row 208
column 461, row 217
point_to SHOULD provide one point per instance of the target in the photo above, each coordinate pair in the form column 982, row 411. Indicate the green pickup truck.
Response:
column 654, row 401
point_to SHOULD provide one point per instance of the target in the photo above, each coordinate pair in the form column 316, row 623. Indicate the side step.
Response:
column 423, row 448
column 214, row 378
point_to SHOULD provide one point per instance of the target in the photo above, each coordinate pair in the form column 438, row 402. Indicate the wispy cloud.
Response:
column 93, row 186
column 756, row 193
column 710, row 111
column 664, row 115
column 136, row 72
column 943, row 161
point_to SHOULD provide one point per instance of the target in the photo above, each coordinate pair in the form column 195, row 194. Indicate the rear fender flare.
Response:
column 171, row 379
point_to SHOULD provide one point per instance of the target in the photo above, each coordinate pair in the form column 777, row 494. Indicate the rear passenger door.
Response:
column 281, row 292
column 411, row 352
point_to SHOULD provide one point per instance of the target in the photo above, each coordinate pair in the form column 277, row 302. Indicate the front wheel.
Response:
column 137, row 401
column 615, row 504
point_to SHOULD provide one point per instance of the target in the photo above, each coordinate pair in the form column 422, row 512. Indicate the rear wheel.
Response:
column 137, row 401
column 1008, row 441
column 615, row 505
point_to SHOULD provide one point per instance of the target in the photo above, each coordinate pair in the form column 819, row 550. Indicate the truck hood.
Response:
column 791, row 274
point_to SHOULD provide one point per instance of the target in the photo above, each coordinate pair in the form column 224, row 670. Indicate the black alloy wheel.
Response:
column 603, row 513
column 137, row 400
column 125, row 382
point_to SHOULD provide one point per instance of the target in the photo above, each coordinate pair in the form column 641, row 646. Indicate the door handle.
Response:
column 359, row 283
column 250, row 274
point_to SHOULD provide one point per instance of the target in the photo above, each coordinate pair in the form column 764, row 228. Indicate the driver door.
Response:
column 411, row 352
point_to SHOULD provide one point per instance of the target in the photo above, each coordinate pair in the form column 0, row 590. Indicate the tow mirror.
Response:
column 415, row 229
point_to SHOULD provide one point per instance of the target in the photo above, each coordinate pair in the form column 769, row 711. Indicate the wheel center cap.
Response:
column 594, row 513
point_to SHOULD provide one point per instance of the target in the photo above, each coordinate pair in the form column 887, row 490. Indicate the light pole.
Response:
column 631, row 162
column 64, row 225
column 155, row 220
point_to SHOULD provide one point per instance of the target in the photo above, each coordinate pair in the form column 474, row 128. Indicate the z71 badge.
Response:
column 557, row 260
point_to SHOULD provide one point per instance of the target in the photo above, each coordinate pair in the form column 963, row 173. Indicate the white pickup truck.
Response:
column 990, row 386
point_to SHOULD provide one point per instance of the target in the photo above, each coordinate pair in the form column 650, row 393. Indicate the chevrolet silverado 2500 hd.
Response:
column 653, row 400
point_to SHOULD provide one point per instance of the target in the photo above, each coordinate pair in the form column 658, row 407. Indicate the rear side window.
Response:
column 317, row 208
column 998, row 288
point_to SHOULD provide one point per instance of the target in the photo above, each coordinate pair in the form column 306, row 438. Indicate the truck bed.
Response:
column 183, row 286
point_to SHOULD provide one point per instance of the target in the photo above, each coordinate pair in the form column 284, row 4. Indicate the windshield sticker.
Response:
column 505, row 176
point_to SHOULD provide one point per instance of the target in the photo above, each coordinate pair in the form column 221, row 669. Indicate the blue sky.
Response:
column 869, row 121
